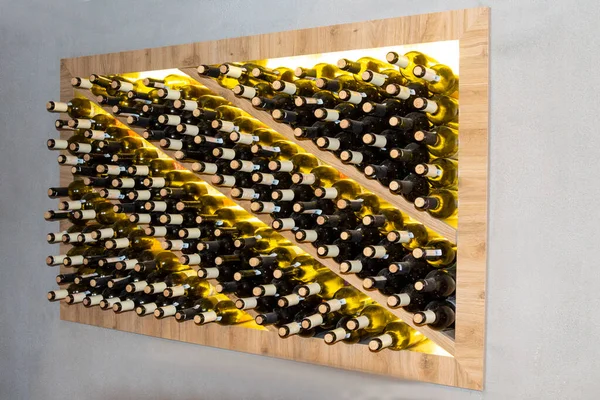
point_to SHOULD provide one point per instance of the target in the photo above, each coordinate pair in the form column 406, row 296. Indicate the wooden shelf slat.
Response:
column 440, row 338
column 374, row 186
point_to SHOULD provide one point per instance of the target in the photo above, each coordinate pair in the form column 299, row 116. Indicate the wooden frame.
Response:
column 471, row 28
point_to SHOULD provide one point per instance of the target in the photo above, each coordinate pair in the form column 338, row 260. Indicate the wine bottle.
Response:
column 439, row 78
column 300, row 87
column 386, row 108
column 76, row 108
column 239, row 72
column 397, row 336
column 438, row 315
column 441, row 172
column 347, row 300
column 298, row 117
column 361, row 65
column 240, row 288
column 339, row 250
column 361, row 234
column 318, row 236
column 341, row 189
column 410, row 187
column 300, row 162
column 385, row 282
column 439, row 203
column 214, row 72
column 408, row 61
column 296, row 192
column 439, row 109
column 282, row 101
column 411, row 235
column 321, row 99
column 438, row 283
column 258, row 304
column 339, row 112
column 438, row 252
column 175, row 280
column 383, row 77
column 363, row 266
column 277, row 317
column 342, row 141
column 75, row 190
column 257, row 89
column 223, row 313
column 276, row 210
column 280, row 150
column 323, row 176
column 146, row 309
column 372, row 319
column 385, row 171
column 361, row 96
column 188, row 92
column 385, row 250
column 442, row 141
column 320, row 70
column 176, row 304
column 411, row 154
column 341, row 219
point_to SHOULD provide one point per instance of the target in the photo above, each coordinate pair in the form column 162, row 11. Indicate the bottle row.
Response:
column 119, row 267
column 208, row 230
column 244, row 154
column 387, row 140
column 180, row 211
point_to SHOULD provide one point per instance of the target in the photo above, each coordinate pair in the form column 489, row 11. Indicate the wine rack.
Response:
column 456, row 359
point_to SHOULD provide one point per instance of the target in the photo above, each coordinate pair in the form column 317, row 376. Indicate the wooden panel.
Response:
column 401, row 364
column 470, row 27
column 472, row 192
column 328, row 158
column 448, row 25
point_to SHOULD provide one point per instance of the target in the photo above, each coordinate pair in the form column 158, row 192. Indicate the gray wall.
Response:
column 543, row 278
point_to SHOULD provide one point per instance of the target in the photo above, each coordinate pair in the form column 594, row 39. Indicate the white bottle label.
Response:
column 120, row 243
column 235, row 72
column 289, row 88
column 431, row 107
column 127, row 183
column 227, row 126
column 189, row 105
column 194, row 259
column 333, row 144
column 380, row 141
column 191, row 130
column 83, row 123
column 85, row 148
column 331, row 115
column 142, row 170
column 355, row 97
column 248, row 92
column 88, row 214
column 376, row 78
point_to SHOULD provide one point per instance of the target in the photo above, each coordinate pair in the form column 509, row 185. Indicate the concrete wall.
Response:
column 543, row 278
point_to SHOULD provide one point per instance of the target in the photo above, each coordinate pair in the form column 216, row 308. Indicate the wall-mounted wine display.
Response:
column 309, row 198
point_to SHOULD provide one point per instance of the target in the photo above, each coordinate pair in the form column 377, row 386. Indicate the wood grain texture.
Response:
column 374, row 186
column 471, row 28
column 472, row 192
column 401, row 364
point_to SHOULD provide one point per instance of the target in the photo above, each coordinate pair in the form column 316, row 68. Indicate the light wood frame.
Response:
column 471, row 28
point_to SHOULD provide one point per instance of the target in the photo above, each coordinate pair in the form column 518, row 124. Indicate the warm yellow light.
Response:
column 156, row 74
column 446, row 52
